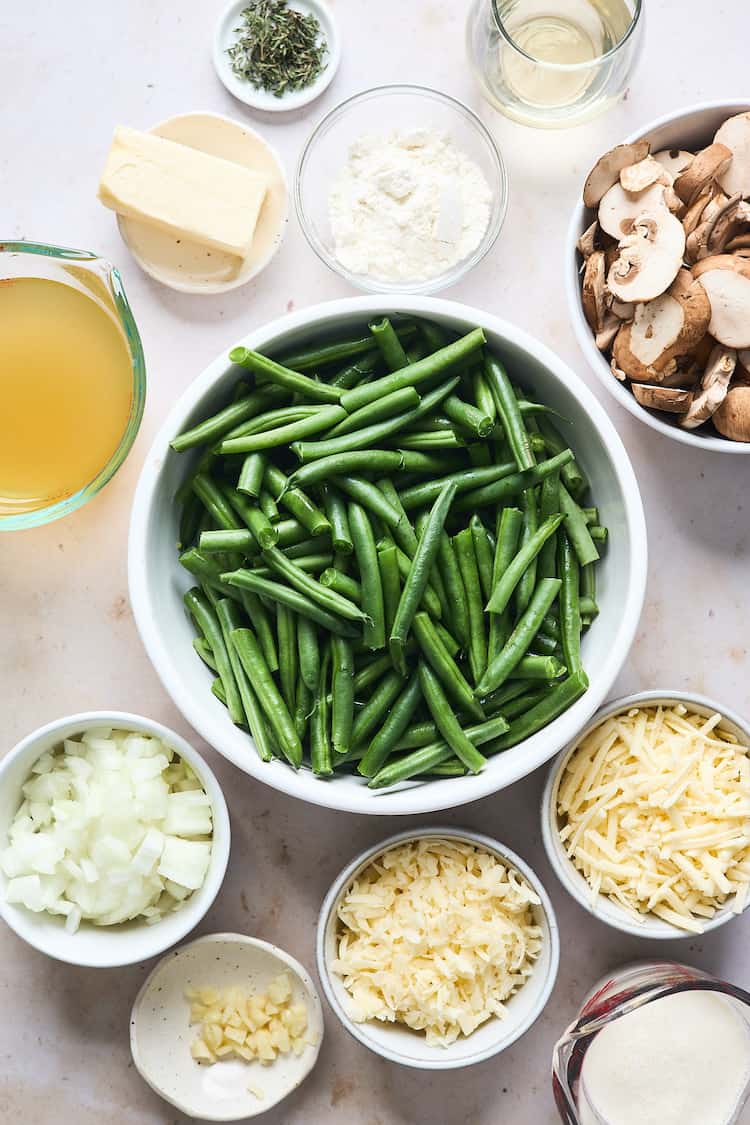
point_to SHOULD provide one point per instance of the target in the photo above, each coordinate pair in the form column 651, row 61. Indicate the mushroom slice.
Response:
column 735, row 134
column 732, row 419
column 707, row 165
column 618, row 373
column 716, row 225
column 693, row 215
column 606, row 334
column 586, row 244
column 726, row 279
column 649, row 257
column 671, row 399
column 743, row 365
column 637, row 177
column 713, row 387
column 662, row 331
column 608, row 168
column 674, row 161
column 593, row 291
column 623, row 310
column 619, row 208
column 739, row 242
column 728, row 221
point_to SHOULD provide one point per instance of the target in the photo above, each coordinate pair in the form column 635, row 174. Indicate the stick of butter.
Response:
column 183, row 191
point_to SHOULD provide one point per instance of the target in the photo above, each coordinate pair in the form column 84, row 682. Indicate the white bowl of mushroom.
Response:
column 658, row 274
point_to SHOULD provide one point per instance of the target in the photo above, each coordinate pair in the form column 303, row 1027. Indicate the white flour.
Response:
column 407, row 206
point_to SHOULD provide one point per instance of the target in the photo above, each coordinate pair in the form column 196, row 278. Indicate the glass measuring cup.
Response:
column 29, row 367
column 624, row 991
column 553, row 65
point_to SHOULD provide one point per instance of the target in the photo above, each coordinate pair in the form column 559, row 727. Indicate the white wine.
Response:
column 567, row 37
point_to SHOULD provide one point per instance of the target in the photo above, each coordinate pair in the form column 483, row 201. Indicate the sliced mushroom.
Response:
column 608, row 168
column 671, row 399
column 586, row 244
column 742, row 371
column 619, row 208
column 713, row 387
column 739, row 242
column 726, row 279
column 718, row 222
column 618, row 373
column 707, row 165
column 623, row 310
column 693, row 215
column 593, row 292
column 637, row 177
column 735, row 134
column 649, row 257
column 674, row 160
column 662, row 331
column 732, row 419
column 606, row 334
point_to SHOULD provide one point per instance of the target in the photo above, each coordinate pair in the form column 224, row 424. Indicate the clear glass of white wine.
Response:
column 554, row 63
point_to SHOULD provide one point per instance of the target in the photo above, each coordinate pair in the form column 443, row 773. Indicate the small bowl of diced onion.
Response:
column 114, row 838
column 437, row 948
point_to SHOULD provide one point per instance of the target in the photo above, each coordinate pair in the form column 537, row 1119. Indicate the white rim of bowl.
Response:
column 451, row 276
column 212, row 288
column 260, row 99
column 292, row 963
column 442, row 832
column 437, row 794
column 597, row 363
column 652, row 928
column 128, row 720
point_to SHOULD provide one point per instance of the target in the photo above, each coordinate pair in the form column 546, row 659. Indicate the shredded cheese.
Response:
column 437, row 935
column 654, row 811
column 237, row 1024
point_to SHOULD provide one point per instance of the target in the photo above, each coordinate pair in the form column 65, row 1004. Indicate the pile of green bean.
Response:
column 393, row 556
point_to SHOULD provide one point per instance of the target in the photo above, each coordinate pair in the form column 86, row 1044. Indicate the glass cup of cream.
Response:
column 658, row 1042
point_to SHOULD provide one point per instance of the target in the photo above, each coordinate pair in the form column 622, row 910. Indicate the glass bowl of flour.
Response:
column 401, row 189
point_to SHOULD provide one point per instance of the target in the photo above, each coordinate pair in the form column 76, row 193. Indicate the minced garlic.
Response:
column 235, row 1023
column 436, row 934
column 654, row 809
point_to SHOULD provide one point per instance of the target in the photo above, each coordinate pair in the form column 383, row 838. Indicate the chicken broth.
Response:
column 66, row 391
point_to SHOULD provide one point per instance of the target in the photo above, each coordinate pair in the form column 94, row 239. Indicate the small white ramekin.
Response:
column 398, row 1043
column 100, row 947
column 603, row 907
column 691, row 128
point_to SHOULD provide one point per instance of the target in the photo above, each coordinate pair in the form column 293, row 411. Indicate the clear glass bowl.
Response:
column 96, row 277
column 377, row 111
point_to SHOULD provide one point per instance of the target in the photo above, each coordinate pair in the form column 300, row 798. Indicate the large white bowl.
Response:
column 603, row 907
column 690, row 128
column 104, row 947
column 157, row 582
column 398, row 1043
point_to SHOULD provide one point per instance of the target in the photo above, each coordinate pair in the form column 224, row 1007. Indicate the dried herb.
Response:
column 279, row 49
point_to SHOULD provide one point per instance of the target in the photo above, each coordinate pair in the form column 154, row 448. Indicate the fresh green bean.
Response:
column 204, row 615
column 360, row 371
column 572, row 475
column 544, row 645
column 416, row 735
column 392, row 729
column 435, row 752
column 444, row 666
column 403, row 532
column 527, row 581
column 519, row 642
column 591, row 515
column 214, row 500
column 286, row 633
column 430, row 600
column 271, row 420
column 325, row 597
column 454, row 589
column 371, row 673
column 549, row 505
column 417, row 579
column 321, row 419
column 264, row 532
column 598, row 534
column 510, row 415
column 373, row 713
column 215, row 542
column 484, row 553
column 321, row 750
column 387, row 407
column 300, row 603
column 446, row 721
column 373, row 633
column 510, row 486
column 559, row 699
column 527, row 699
column 390, row 580
column 206, row 569
column 304, row 706
column 190, row 518
column 269, row 697
column 570, row 609
column 260, row 620
column 230, row 618
column 440, row 362
column 297, row 503
column 251, row 475
column 369, row 496
column 483, row 396
column 335, row 509
column 588, row 583
column 342, row 692
column 468, row 417
column 225, row 420
column 340, row 465
column 323, row 355
column 431, row 440
column 268, row 505
column 508, row 581
column 575, row 526
column 283, row 376
column 539, row 667
column 467, row 565
column 308, row 652
column 217, row 689
column 204, row 650
column 389, row 345
column 334, row 579
column 508, row 533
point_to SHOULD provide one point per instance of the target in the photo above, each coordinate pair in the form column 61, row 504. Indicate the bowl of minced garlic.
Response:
column 226, row 1026
column 646, row 817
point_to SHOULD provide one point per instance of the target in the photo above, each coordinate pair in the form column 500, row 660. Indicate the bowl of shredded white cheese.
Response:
column 437, row 948
column 646, row 816
column 401, row 189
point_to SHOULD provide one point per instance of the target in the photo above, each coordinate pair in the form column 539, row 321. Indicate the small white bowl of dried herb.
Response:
column 276, row 54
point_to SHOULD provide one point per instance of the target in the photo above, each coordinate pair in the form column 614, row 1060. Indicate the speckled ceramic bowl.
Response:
column 160, row 1034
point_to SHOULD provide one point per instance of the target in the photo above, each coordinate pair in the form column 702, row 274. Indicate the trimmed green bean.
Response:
column 215, row 542
column 297, row 503
column 269, row 697
column 454, row 589
column 369, row 496
column 430, row 600
column 520, row 639
column 285, row 377
column 204, row 616
column 344, row 584
column 335, row 509
column 286, row 633
column 435, row 752
column 230, row 618
column 508, row 581
column 214, row 500
column 396, row 403
column 325, row 597
column 373, row 713
column 321, row 750
column 391, row 582
column 389, row 345
column 484, row 553
column 190, row 519
column 510, row 415
column 299, row 602
column 598, row 534
column 342, row 692
column 527, row 581
column 570, row 609
column 225, row 420
column 251, row 475
column 204, row 650
column 446, row 721
column 339, row 465
column 260, row 619
column 264, row 532
column 467, row 564
column 322, row 419
column 549, row 505
column 373, row 633
column 444, row 666
column 571, row 473
column 539, row 667
column 468, row 417
column 308, row 652
column 509, row 527
column 372, row 673
column 392, row 729
column 510, row 486
column 562, row 696
column 403, row 532
column 576, row 528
